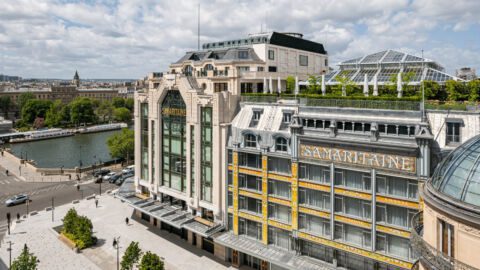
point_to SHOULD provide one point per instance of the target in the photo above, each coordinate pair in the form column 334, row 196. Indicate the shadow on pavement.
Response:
column 178, row 241
column 3, row 266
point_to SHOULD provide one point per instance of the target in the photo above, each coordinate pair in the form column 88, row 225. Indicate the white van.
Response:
column 128, row 169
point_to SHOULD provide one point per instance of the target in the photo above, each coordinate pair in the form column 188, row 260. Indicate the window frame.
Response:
column 303, row 60
column 249, row 142
column 271, row 54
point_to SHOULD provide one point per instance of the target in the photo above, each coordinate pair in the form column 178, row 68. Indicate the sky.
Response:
column 130, row 38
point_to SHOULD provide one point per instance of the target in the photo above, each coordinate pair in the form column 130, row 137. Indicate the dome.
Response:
column 458, row 176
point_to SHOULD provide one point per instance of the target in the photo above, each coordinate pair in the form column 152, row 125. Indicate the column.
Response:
column 235, row 192
column 265, row 198
column 332, row 201
column 294, row 201
column 373, row 178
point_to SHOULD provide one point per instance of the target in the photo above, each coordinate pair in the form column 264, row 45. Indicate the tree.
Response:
column 55, row 114
column 474, row 89
column 456, row 90
column 290, row 84
column 151, row 261
column 81, row 111
column 25, row 261
column 23, row 98
column 313, row 84
column 122, row 115
column 345, row 85
column 129, row 103
column 122, row 145
column 79, row 229
column 5, row 104
column 406, row 78
column 131, row 256
column 104, row 111
column 118, row 102
column 35, row 108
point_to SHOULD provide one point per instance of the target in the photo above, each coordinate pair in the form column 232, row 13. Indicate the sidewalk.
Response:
column 108, row 222
column 11, row 163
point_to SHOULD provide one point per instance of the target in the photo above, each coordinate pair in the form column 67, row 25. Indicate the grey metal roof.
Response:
column 458, row 176
column 228, row 54
column 270, row 253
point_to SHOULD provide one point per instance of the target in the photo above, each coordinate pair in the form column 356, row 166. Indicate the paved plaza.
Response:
column 108, row 222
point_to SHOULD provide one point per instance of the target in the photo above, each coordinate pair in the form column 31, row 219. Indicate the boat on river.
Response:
column 100, row 128
column 43, row 135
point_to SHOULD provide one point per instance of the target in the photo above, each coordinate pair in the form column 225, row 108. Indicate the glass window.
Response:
column 206, row 154
column 279, row 188
column 453, row 133
column 230, row 199
column 272, row 69
column 353, row 179
column 144, row 127
column 249, row 160
column 394, row 215
column 287, row 117
column 446, row 238
column 353, row 235
column 394, row 245
column 303, row 60
column 353, row 207
column 281, row 144
column 280, row 238
column 397, row 187
column 314, row 198
column 250, row 228
column 243, row 54
column 313, row 224
column 279, row 165
column 279, row 212
column 271, row 54
column 250, row 140
column 250, row 204
column 315, row 173
column 257, row 114
column 250, row 182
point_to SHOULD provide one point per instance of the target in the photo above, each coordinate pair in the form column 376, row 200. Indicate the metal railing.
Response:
column 429, row 255
column 341, row 103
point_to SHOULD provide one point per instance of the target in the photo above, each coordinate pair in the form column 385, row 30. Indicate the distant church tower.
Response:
column 76, row 79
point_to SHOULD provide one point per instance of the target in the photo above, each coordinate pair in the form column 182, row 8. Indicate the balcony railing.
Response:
column 429, row 255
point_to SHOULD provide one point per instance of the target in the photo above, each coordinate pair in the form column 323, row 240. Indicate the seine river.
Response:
column 67, row 151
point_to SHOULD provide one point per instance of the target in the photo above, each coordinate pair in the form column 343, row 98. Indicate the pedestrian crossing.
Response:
column 3, row 230
column 36, row 191
column 10, row 180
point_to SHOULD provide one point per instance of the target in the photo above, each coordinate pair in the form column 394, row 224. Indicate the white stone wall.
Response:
column 437, row 120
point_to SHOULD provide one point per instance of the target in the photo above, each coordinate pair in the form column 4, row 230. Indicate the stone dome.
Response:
column 458, row 176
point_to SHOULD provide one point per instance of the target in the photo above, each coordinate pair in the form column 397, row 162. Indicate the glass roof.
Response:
column 458, row 176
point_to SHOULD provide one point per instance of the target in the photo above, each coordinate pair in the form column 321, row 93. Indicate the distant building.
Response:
column 466, row 73
column 76, row 79
column 5, row 125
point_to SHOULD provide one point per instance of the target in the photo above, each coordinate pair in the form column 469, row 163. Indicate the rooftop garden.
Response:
column 453, row 95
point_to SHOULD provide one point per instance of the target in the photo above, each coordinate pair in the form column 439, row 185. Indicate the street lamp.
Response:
column 116, row 245
column 9, row 249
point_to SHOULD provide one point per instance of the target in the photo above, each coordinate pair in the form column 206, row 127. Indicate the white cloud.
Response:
column 128, row 38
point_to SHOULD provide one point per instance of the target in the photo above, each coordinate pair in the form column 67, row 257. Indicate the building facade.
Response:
column 446, row 235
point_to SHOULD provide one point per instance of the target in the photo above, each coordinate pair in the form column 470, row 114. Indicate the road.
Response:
column 41, row 195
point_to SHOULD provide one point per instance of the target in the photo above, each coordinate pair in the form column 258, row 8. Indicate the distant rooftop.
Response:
column 290, row 40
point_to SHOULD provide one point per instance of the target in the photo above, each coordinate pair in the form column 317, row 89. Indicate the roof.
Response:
column 289, row 40
column 388, row 56
column 458, row 176
column 229, row 54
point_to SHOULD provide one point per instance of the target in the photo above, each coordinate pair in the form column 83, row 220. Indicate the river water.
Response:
column 67, row 151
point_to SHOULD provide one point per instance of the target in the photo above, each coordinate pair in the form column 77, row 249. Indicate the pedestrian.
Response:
column 69, row 177
column 126, row 220
column 6, row 172
column 18, row 216
column 96, row 203
column 78, row 187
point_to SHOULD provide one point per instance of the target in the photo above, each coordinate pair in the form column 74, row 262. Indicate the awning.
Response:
column 269, row 253
column 171, row 214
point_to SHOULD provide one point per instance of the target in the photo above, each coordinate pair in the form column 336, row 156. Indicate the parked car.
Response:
column 114, row 178
column 101, row 172
column 120, row 181
column 17, row 199
column 128, row 174
column 130, row 168
column 108, row 175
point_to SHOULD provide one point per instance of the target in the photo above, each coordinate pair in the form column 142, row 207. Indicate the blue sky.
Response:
column 129, row 38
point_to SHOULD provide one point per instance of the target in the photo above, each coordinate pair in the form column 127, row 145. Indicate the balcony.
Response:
column 429, row 256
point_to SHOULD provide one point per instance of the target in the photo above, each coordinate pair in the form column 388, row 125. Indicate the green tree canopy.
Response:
column 122, row 115
column 81, row 111
column 23, row 98
column 474, row 89
column 5, row 104
column 151, row 261
column 457, row 91
column 56, row 114
column 118, row 102
column 313, row 84
column 35, row 108
column 129, row 104
column 105, row 111
column 78, row 228
column 122, row 145
column 290, row 84
column 131, row 256
column 25, row 261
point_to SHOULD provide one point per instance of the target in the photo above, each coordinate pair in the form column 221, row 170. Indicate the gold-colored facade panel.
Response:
column 353, row 194
column 393, row 231
column 280, row 177
column 314, row 212
column 353, row 221
column 280, row 225
column 250, row 194
column 397, row 202
column 250, row 171
column 320, row 187
column 279, row 201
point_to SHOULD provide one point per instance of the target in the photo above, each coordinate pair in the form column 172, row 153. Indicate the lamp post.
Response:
column 53, row 209
column 9, row 249
column 8, row 222
column 116, row 245
column 27, row 203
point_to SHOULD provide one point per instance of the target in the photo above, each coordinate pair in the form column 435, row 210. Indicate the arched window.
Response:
column 281, row 144
column 208, row 67
column 250, row 140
